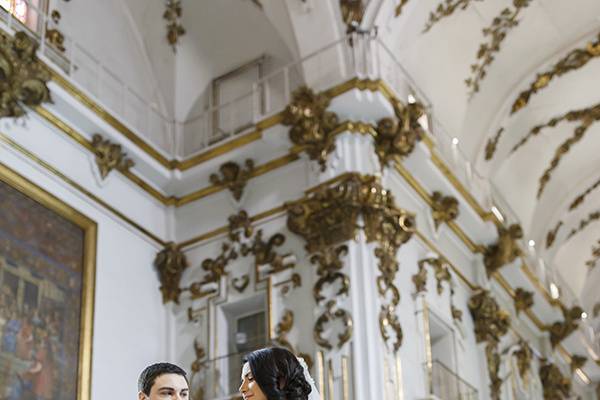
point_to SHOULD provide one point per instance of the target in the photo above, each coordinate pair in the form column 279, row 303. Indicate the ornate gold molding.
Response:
column 492, row 144
column 110, row 156
column 501, row 25
column 172, row 15
column 524, row 357
column 556, row 385
column 24, row 77
column 574, row 60
column 505, row 250
column 491, row 323
column 594, row 216
column 446, row 9
column 442, row 274
column 396, row 137
column 170, row 264
column 443, row 208
column 400, row 7
column 560, row 330
column 283, row 328
column 523, row 300
column 53, row 36
column 332, row 312
column 577, row 362
column 240, row 283
column 311, row 124
column 234, row 177
column 330, row 264
column 591, row 263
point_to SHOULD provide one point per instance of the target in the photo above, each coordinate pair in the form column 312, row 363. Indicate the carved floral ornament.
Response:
column 556, row 385
column 505, row 250
column 524, row 356
column 446, row 9
column 330, row 215
column 170, row 264
column 23, row 77
column 560, row 330
column 443, row 208
column 491, row 323
column 523, row 300
column 172, row 15
column 234, row 177
column 311, row 124
column 109, row 156
column 396, row 137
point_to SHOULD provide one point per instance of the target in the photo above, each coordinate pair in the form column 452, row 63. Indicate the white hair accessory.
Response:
column 314, row 393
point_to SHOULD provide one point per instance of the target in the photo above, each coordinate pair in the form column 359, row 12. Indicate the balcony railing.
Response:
column 447, row 385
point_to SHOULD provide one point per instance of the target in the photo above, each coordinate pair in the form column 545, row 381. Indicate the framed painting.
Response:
column 47, row 272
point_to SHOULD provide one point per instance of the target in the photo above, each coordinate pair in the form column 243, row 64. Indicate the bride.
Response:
column 276, row 374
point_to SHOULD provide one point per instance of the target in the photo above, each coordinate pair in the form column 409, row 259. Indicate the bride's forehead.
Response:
column 245, row 370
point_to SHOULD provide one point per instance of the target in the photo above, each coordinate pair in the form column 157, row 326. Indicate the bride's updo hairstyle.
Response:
column 279, row 374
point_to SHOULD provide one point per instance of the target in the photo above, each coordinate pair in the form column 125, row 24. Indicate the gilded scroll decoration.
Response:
column 572, row 61
column 505, row 250
column 496, row 33
column 591, row 263
column 170, row 264
column 330, row 215
column 524, row 356
column 352, row 14
column 197, row 367
column 172, row 15
column 492, row 144
column 420, row 279
column 523, row 300
column 560, row 330
column 24, row 77
column 594, row 216
column 330, row 270
column 240, row 283
column 556, row 385
column 443, row 208
column 242, row 240
column 442, row 274
column 234, row 177
column 491, row 323
column 400, row 7
column 581, row 198
column 311, row 124
column 283, row 328
column 446, row 9
column 110, row 156
column 396, row 137
column 551, row 235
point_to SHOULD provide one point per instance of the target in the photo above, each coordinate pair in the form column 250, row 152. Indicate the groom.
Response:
column 163, row 381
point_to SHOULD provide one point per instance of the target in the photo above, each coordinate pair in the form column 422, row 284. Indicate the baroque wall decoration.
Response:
column 170, row 264
column 592, row 217
column 352, row 14
column 492, row 144
column 446, row 9
column 572, row 61
column 524, row 356
column 505, row 250
column 283, row 328
column 556, row 385
column 577, row 362
column 581, row 198
column 400, row 7
column 551, row 235
column 591, row 263
column 24, row 77
column 234, row 177
column 443, row 208
column 329, row 271
column 242, row 240
column 53, row 36
column 172, row 15
column 330, row 214
column 496, row 33
column 523, row 300
column 442, row 274
column 109, row 156
column 396, row 137
column 560, row 330
column 311, row 124
column 491, row 323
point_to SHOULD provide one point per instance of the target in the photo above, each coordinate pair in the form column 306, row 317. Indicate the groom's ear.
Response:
column 141, row 395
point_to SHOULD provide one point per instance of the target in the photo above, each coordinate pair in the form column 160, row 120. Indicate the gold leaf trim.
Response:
column 446, row 9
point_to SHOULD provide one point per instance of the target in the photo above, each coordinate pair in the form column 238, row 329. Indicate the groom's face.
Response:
column 249, row 388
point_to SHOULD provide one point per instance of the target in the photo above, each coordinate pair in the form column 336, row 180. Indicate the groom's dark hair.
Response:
column 150, row 373
column 279, row 374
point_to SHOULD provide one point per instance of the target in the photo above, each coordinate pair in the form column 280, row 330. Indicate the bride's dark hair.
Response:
column 279, row 374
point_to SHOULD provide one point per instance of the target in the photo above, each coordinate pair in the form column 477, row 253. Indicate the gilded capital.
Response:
column 505, row 250
column 443, row 208
column 234, row 177
column 24, row 76
column 110, row 156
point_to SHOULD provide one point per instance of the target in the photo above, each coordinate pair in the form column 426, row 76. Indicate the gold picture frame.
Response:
column 88, row 274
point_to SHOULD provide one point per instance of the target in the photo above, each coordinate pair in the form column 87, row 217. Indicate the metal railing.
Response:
column 447, row 385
